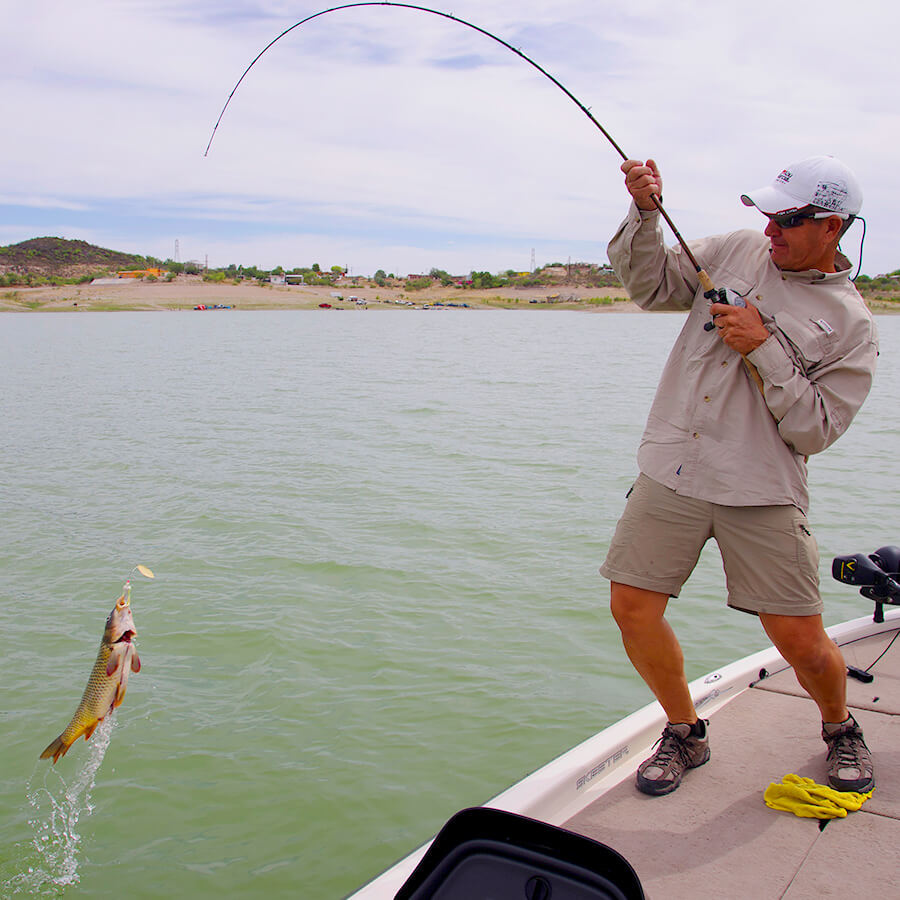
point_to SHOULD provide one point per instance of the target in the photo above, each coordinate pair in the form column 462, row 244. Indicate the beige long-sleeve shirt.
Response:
column 710, row 433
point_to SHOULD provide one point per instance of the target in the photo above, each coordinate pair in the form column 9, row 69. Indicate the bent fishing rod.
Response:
column 708, row 286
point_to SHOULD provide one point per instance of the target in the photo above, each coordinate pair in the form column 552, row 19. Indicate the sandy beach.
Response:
column 188, row 292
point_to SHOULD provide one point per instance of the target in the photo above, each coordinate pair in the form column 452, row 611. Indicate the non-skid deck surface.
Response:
column 882, row 695
column 715, row 837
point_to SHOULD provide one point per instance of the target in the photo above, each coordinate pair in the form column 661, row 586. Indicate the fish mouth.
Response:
column 126, row 638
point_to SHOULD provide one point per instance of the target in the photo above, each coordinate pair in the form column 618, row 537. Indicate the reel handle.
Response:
column 730, row 298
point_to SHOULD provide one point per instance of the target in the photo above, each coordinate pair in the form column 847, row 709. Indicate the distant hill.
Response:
column 53, row 256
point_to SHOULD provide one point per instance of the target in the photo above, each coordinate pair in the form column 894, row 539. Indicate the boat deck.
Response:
column 715, row 837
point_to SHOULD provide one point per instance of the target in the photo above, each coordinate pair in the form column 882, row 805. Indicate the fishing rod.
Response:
column 708, row 286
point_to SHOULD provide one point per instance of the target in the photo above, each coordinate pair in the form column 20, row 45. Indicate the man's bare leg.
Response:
column 815, row 658
column 820, row 668
column 653, row 649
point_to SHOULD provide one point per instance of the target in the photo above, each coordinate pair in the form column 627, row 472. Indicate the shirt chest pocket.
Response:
column 807, row 342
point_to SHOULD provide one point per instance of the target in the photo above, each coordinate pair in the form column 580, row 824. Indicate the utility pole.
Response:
column 177, row 252
column 532, row 260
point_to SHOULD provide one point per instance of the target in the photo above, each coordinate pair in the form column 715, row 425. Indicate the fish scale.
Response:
column 108, row 680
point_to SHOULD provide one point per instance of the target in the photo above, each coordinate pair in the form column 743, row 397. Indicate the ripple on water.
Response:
column 376, row 541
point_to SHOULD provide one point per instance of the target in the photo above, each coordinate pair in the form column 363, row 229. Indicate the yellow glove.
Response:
column 803, row 797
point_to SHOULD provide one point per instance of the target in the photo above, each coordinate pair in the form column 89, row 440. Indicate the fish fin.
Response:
column 115, row 659
column 56, row 749
column 135, row 661
column 127, row 666
column 90, row 729
column 61, row 745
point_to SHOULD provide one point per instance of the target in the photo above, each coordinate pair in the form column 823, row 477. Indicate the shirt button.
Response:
column 725, row 363
column 696, row 435
column 707, row 398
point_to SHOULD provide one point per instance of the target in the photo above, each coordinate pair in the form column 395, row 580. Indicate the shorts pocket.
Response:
column 807, row 547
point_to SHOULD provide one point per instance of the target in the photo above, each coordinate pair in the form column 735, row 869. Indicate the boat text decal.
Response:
column 712, row 695
column 607, row 763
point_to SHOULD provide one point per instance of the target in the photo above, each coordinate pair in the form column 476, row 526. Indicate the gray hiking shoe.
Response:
column 849, row 761
column 678, row 750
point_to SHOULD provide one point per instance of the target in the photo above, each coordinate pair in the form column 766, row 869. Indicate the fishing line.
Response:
column 869, row 667
column 704, row 278
column 862, row 241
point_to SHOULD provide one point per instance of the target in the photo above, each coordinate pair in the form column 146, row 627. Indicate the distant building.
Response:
column 140, row 273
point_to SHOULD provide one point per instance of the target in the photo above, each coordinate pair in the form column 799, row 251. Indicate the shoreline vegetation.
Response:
column 53, row 274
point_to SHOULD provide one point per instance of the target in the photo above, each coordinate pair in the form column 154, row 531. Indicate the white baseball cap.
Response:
column 821, row 181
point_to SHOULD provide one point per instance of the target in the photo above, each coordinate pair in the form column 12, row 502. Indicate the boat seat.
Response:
column 489, row 854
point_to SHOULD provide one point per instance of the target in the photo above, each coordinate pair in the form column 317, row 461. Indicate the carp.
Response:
column 106, row 686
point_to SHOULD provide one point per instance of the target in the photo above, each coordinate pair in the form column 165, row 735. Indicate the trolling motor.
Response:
column 877, row 576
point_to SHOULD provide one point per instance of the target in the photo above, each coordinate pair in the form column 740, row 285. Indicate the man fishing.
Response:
column 747, row 394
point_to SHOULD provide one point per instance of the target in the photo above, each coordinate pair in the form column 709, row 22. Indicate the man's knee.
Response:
column 802, row 641
column 635, row 608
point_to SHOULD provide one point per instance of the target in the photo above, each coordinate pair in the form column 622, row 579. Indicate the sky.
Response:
column 388, row 138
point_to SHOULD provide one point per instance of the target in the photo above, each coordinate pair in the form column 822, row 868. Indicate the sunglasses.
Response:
column 792, row 220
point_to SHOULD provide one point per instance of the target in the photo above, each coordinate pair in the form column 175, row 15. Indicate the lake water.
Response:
column 375, row 537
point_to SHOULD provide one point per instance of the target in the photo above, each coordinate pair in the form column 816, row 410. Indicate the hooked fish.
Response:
column 106, row 686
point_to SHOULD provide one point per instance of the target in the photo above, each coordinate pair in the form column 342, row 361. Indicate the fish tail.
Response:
column 56, row 749
column 61, row 745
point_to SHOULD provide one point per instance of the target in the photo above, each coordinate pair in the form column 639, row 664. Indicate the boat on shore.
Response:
column 715, row 836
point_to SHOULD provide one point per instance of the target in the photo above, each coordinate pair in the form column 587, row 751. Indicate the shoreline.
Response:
column 186, row 293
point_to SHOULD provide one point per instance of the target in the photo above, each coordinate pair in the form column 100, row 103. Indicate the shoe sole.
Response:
column 846, row 787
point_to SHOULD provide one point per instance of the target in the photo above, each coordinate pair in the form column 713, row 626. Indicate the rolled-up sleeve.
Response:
column 814, row 409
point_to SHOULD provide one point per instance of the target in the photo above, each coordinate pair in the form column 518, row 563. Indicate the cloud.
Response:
column 465, row 61
column 42, row 202
column 386, row 129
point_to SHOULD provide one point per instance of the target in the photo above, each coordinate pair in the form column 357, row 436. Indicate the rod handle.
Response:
column 754, row 374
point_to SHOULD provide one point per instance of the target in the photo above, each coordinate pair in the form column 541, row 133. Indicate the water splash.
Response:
column 57, row 809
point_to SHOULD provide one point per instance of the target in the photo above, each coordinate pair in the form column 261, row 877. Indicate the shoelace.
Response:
column 671, row 745
column 845, row 747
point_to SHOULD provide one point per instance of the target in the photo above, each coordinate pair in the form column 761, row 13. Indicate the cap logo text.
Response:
column 830, row 195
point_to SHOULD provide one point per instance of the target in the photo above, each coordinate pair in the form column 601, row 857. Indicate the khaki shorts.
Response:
column 771, row 559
